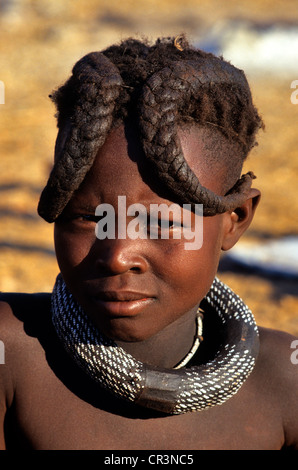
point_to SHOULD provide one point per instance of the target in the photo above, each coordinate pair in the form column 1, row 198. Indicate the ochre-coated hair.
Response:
column 158, row 87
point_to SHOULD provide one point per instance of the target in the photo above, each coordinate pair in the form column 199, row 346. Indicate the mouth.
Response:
column 122, row 303
column 121, row 296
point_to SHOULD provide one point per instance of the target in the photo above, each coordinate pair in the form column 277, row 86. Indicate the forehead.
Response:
column 120, row 166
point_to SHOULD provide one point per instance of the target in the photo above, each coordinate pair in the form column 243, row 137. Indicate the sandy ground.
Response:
column 39, row 43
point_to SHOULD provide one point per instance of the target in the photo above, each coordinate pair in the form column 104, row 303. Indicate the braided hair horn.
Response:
column 163, row 97
column 97, row 81
column 96, row 94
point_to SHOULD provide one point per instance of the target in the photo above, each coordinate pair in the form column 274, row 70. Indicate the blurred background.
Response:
column 40, row 40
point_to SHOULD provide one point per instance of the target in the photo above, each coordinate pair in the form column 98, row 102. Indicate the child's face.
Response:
column 133, row 288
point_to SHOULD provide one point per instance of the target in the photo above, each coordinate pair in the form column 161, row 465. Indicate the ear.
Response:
column 238, row 221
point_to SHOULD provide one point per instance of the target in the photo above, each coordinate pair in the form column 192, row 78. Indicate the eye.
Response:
column 89, row 218
column 175, row 224
column 79, row 219
column 164, row 227
column 165, row 224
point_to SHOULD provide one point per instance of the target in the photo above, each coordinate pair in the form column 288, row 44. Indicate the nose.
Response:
column 120, row 256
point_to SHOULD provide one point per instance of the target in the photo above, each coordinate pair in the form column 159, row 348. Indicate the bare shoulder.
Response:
column 278, row 358
column 8, row 335
column 278, row 366
column 22, row 318
column 277, row 349
column 274, row 341
column 11, row 327
column 22, row 321
column 22, row 313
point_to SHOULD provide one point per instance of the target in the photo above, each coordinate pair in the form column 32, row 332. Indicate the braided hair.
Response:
column 160, row 87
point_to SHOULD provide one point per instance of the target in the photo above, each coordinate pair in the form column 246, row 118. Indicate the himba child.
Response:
column 140, row 345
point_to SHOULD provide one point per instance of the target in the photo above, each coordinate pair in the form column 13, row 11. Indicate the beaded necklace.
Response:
column 172, row 391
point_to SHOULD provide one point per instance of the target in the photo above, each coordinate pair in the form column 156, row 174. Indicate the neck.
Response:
column 169, row 346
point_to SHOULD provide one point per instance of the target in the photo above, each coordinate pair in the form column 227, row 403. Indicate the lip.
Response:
column 121, row 296
column 122, row 303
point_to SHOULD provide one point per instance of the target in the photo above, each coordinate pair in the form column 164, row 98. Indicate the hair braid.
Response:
column 92, row 92
column 161, row 86
column 164, row 95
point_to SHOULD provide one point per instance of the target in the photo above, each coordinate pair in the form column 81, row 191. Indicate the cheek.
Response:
column 196, row 272
column 189, row 273
column 71, row 248
column 200, row 265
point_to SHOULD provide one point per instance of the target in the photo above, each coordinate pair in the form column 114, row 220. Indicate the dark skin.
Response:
column 46, row 402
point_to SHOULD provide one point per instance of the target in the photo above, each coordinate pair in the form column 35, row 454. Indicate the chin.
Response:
column 125, row 330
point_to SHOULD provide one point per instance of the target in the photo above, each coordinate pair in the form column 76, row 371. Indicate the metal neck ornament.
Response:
column 171, row 391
